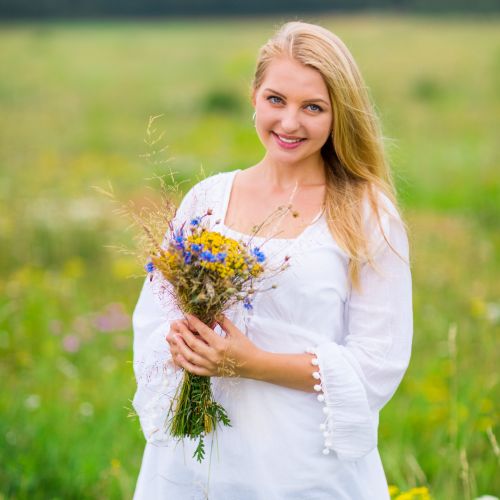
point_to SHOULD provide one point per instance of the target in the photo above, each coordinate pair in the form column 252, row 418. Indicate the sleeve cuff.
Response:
column 350, row 427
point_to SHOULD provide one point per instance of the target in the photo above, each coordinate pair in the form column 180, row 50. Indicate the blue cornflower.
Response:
column 179, row 241
column 149, row 267
column 258, row 254
column 208, row 256
column 188, row 256
column 195, row 221
column 247, row 304
column 221, row 256
column 195, row 247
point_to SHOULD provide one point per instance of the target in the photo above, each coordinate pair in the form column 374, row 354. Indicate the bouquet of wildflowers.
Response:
column 208, row 272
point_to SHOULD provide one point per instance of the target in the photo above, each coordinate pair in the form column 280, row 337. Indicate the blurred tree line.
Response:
column 18, row 9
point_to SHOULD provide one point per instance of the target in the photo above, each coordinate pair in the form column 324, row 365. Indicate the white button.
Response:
column 316, row 375
column 314, row 362
column 326, row 451
column 317, row 387
column 326, row 410
column 322, row 427
column 321, row 398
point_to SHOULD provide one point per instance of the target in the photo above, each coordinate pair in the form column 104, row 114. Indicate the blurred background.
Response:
column 79, row 83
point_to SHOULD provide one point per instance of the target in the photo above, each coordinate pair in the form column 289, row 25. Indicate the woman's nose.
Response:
column 290, row 121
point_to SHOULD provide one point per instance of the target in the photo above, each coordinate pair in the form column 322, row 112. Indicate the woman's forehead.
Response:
column 289, row 76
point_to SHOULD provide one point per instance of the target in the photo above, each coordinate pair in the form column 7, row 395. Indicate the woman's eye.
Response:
column 318, row 108
column 271, row 97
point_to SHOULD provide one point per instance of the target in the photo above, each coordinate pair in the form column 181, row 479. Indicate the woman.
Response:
column 318, row 356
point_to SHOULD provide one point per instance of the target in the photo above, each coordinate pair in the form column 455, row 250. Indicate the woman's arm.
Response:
column 211, row 355
column 295, row 371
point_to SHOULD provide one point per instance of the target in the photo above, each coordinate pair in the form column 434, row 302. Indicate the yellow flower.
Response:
column 404, row 496
column 393, row 490
column 418, row 493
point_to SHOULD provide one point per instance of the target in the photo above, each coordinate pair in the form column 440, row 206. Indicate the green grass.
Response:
column 75, row 100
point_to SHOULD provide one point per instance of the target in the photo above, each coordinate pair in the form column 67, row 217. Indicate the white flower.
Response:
column 32, row 402
column 86, row 409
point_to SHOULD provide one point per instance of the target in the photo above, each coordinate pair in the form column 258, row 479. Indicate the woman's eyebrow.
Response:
column 307, row 100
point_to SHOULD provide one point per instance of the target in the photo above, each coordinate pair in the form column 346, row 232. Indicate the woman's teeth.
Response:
column 289, row 141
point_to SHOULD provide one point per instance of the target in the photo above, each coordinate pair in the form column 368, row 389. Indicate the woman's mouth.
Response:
column 287, row 143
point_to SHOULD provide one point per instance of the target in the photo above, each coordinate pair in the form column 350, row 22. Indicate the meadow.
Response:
column 75, row 100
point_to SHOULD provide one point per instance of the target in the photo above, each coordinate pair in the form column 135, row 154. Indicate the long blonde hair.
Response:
column 354, row 154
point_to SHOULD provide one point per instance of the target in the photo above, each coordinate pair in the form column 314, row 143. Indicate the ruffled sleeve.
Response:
column 356, row 378
column 155, row 373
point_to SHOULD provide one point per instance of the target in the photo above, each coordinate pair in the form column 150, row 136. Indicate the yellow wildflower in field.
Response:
column 74, row 268
column 418, row 493
column 393, row 490
column 123, row 267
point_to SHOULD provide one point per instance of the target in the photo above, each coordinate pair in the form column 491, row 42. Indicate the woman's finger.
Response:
column 173, row 344
column 188, row 354
column 178, row 325
column 205, row 332
column 196, row 370
column 196, row 343
column 174, row 351
column 226, row 324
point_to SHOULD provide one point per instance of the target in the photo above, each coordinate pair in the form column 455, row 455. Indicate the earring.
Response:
column 253, row 117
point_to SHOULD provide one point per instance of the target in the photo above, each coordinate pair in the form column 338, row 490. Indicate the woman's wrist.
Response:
column 294, row 371
column 252, row 367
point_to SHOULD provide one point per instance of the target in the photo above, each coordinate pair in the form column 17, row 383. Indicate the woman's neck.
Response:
column 286, row 175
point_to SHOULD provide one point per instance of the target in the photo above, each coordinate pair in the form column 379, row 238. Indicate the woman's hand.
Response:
column 198, row 349
column 175, row 327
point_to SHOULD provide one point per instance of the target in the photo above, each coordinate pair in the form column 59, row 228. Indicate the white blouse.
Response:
column 285, row 444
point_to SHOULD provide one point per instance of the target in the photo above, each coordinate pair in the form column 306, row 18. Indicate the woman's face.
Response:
column 293, row 112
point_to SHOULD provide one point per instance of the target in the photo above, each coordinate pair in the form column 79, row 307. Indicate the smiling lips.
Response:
column 287, row 142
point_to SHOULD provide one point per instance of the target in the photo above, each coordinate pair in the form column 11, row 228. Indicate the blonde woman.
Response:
column 318, row 356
